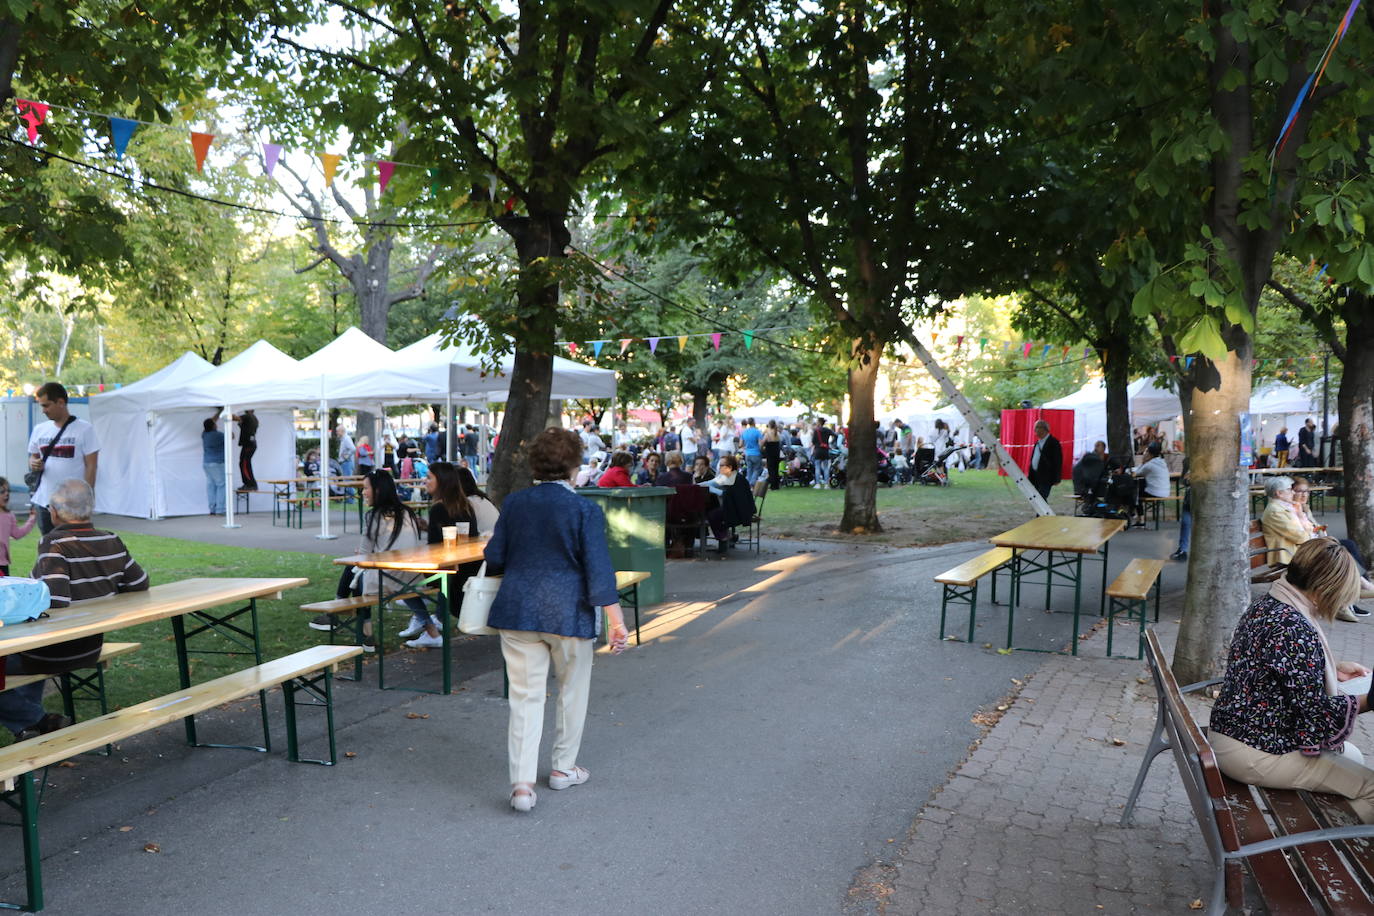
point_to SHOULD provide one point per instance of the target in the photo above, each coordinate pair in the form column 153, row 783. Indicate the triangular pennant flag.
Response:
column 271, row 152
column 653, row 345
column 1025, row 351
column 596, row 348
column 330, row 163
column 1065, row 354
column 572, row 348
column 1188, row 363
column 1173, row 359
column 1045, row 352
column 200, row 145
column 960, row 341
column 748, row 340
column 625, row 344
column 121, row 129
column 682, row 343
column 434, row 182
column 1087, row 351
column 982, row 344
column 32, row 114
column 1006, row 345
column 384, row 170
column 715, row 341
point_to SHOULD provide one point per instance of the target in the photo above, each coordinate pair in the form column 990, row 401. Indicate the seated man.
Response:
column 78, row 563
column 736, row 502
column 1090, row 470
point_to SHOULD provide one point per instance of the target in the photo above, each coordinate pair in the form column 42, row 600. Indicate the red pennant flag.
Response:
column 1025, row 351
column 32, row 114
column 1064, row 354
column 960, row 341
column 384, row 171
column 200, row 145
column 572, row 348
column 715, row 340
column 1173, row 359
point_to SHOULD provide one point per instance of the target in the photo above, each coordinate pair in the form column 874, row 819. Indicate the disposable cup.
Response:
column 450, row 533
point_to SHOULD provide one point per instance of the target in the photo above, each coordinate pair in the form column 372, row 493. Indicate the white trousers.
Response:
column 527, row 657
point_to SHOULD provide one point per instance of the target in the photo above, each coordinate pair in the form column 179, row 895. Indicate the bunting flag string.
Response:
column 625, row 344
column 1313, row 81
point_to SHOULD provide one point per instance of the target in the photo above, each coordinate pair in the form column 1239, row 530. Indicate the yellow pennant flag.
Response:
column 682, row 343
column 330, row 163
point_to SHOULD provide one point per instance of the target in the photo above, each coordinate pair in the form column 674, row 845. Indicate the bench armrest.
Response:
column 1325, row 835
column 1200, row 685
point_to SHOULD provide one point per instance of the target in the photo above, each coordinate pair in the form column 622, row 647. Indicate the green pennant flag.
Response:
column 748, row 340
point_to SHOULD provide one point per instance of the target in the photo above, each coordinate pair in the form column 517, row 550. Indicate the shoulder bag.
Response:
column 478, row 594
column 33, row 478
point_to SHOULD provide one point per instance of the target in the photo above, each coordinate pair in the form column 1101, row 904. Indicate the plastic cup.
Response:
column 450, row 533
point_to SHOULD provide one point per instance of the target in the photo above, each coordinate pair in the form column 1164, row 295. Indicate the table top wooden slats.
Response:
column 101, row 615
column 1062, row 533
column 432, row 558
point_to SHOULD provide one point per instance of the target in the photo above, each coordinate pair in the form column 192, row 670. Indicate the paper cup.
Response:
column 450, row 533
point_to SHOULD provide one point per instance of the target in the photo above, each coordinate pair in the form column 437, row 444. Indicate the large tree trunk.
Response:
column 1355, row 408
column 1218, row 576
column 861, row 486
column 371, row 288
column 537, row 237
column 9, row 57
column 701, row 411
column 1116, row 373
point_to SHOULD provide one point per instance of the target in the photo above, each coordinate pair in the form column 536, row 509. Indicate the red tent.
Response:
column 1018, row 435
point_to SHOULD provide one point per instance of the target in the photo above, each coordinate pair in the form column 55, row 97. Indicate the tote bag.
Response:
column 478, row 594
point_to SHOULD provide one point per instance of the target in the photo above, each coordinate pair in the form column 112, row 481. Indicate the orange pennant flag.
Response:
column 330, row 163
column 200, row 145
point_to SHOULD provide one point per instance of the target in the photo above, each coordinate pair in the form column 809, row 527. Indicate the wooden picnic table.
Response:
column 1063, row 541
column 172, row 600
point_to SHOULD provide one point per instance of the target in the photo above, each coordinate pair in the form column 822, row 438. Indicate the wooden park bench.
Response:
column 349, row 607
column 1130, row 593
column 1153, row 504
column 1257, row 556
column 83, row 683
column 308, row 671
column 1306, row 851
column 961, row 584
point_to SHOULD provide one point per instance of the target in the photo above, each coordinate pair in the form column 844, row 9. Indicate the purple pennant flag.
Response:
column 270, row 152
column 121, row 129
column 653, row 344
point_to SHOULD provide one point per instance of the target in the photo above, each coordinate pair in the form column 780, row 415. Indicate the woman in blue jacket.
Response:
column 550, row 545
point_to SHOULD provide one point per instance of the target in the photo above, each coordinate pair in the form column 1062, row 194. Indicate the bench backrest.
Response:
column 1197, row 763
column 1256, row 547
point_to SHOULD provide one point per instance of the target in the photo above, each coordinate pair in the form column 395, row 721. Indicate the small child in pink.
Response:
column 10, row 529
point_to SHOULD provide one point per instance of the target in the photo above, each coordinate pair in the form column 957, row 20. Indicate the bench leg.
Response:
column 319, row 696
column 75, row 685
column 1158, row 745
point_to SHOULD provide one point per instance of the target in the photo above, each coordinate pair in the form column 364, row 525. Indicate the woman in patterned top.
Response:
column 1282, row 720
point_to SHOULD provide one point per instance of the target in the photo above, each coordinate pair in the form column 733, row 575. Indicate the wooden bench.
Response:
column 79, row 684
column 1153, row 504
column 305, row 670
column 1248, row 825
column 1130, row 593
column 627, row 588
column 1257, row 554
column 349, row 607
column 961, row 584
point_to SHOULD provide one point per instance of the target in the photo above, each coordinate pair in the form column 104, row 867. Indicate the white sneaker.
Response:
column 425, row 641
column 573, row 777
column 417, row 626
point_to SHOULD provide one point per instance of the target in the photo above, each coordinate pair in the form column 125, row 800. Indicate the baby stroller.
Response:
column 797, row 470
column 936, row 474
column 1114, row 496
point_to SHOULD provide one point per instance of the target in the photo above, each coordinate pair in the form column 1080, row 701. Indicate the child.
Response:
column 10, row 529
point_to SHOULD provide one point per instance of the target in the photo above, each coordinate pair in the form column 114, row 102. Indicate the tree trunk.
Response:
column 861, row 485
column 1355, row 411
column 371, row 288
column 9, row 57
column 701, row 409
column 1116, row 373
column 1218, row 576
column 537, row 237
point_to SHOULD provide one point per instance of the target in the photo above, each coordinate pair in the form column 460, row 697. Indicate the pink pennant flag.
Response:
column 653, row 344
column 960, row 341
column 572, row 348
column 200, row 145
column 384, row 171
column 32, row 114
column 625, row 344
column 1025, row 351
column 715, row 340
column 270, row 153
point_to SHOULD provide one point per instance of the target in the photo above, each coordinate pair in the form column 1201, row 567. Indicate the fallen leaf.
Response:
column 67, row 763
column 350, row 754
column 125, row 829
column 987, row 645
column 417, row 715
column 1117, row 742
column 1004, row 651
column 1003, row 708
column 951, row 638
column 151, row 847
column 1142, row 680
column 1018, row 683
column 1196, row 904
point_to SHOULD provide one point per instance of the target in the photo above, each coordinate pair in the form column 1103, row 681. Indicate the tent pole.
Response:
column 322, row 419
column 448, row 425
column 483, row 416
column 230, row 498
column 151, row 420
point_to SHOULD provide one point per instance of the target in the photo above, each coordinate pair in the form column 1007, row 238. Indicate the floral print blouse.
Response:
column 1273, row 696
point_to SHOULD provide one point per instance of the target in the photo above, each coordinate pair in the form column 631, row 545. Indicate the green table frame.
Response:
column 1064, row 565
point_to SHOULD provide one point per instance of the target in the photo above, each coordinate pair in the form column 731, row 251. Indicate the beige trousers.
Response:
column 1330, row 771
column 527, row 657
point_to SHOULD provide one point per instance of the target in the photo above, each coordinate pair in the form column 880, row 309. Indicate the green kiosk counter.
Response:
column 635, row 519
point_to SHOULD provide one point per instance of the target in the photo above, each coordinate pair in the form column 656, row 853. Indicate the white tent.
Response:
column 1148, row 404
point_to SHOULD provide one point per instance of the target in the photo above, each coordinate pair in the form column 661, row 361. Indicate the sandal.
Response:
column 522, row 797
column 568, row 778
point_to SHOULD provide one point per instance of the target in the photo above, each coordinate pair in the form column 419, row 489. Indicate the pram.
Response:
column 1113, row 496
column 797, row 470
column 936, row 474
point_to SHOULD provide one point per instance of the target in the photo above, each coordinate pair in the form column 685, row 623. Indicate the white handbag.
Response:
column 478, row 594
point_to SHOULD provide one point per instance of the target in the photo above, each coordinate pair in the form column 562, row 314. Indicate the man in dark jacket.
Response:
column 78, row 563
column 1090, row 470
column 1047, row 460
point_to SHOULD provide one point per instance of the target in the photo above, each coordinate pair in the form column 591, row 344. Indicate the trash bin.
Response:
column 635, row 519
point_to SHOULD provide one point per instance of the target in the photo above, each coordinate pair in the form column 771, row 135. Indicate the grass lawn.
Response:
column 152, row 670
column 975, row 505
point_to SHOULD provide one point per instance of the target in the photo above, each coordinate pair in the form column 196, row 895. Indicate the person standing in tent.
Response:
column 1281, row 447
column 212, row 460
column 248, row 444
column 64, row 448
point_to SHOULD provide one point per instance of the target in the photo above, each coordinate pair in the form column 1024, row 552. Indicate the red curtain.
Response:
column 1018, row 435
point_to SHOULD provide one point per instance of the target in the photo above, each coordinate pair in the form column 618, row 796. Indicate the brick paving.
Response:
column 1028, row 824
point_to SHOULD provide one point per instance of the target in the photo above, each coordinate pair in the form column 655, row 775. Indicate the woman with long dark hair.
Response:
column 390, row 525
column 448, row 506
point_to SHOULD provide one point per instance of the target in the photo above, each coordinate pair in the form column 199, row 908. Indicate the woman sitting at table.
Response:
column 485, row 510
column 618, row 474
column 1282, row 720
column 648, row 471
column 736, row 502
column 447, row 507
column 550, row 546
column 390, row 525
column 701, row 469
column 1287, row 523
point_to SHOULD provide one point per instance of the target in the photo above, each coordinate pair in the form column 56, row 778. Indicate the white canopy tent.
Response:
column 1148, row 404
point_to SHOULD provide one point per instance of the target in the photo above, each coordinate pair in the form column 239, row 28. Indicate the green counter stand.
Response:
column 635, row 519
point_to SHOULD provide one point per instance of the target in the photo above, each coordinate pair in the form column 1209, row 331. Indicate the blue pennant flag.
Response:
column 596, row 348
column 121, row 129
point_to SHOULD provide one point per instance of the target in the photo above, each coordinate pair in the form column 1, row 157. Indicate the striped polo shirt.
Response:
column 78, row 563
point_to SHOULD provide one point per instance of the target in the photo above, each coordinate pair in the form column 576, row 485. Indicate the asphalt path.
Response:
column 785, row 719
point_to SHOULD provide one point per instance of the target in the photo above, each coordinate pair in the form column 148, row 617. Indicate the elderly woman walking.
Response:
column 550, row 544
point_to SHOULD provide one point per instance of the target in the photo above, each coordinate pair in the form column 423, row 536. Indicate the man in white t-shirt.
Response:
column 73, row 454
column 591, row 442
column 687, row 437
column 723, row 438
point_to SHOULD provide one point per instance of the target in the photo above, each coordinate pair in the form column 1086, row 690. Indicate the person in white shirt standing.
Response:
column 64, row 448
column 724, row 438
column 687, row 437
